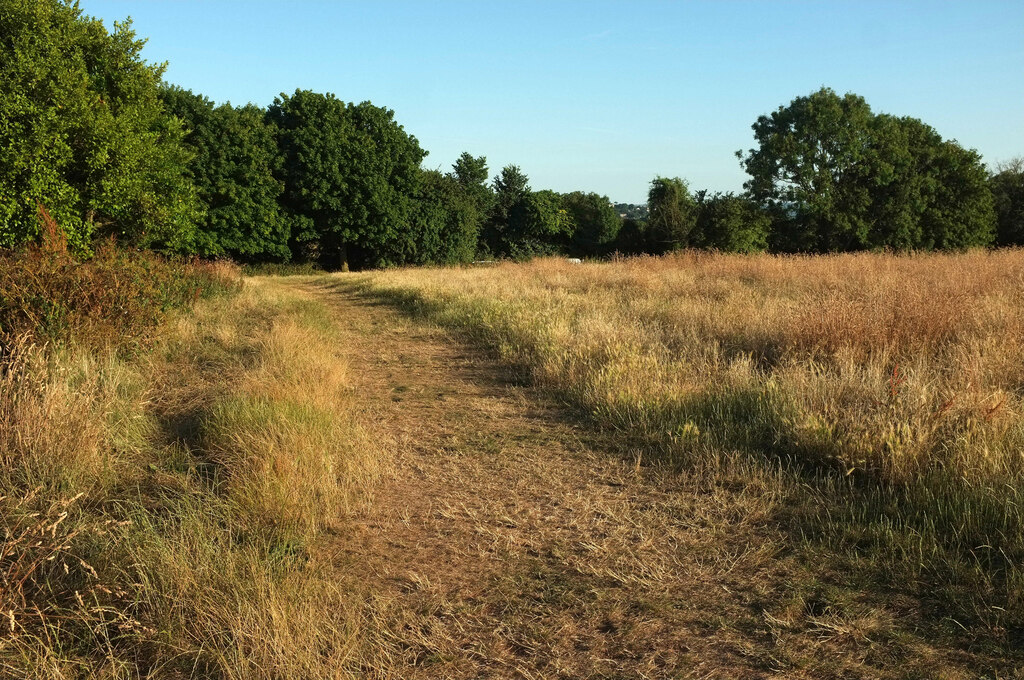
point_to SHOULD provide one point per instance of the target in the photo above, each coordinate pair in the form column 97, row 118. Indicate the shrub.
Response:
column 116, row 297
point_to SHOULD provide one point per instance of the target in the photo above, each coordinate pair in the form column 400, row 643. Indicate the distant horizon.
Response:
column 605, row 96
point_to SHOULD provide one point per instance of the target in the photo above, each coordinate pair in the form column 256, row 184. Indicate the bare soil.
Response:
column 514, row 540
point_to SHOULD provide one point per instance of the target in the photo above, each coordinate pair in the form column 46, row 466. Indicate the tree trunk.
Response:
column 343, row 257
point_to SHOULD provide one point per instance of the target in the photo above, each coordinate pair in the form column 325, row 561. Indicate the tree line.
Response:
column 91, row 132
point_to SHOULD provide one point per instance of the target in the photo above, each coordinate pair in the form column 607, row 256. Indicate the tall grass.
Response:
column 890, row 387
column 159, row 507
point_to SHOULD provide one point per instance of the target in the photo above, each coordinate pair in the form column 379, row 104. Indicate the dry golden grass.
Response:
column 158, row 509
column 286, row 438
column 891, row 362
column 891, row 385
column 514, row 540
column 851, row 447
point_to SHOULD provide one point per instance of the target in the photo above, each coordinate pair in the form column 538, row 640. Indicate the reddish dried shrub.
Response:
column 116, row 297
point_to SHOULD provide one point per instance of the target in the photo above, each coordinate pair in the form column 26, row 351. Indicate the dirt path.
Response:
column 513, row 542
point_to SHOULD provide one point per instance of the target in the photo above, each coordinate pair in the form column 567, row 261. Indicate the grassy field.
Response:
column 802, row 467
column 883, row 393
column 158, row 503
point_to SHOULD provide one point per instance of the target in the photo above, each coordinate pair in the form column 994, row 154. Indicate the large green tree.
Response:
column 1007, row 186
column 83, row 132
column 510, row 188
column 537, row 225
column 673, row 214
column 838, row 177
column 350, row 173
column 730, row 223
column 524, row 223
column 632, row 237
column 806, row 167
column 922, row 192
column 594, row 220
column 235, row 156
column 470, row 172
column 445, row 220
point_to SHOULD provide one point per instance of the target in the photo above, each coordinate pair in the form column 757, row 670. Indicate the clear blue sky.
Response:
column 603, row 96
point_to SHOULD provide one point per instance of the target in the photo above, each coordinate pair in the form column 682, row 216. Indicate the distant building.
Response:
column 631, row 211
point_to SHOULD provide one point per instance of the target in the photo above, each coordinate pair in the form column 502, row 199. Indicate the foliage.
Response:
column 838, row 177
column 672, row 214
column 471, row 174
column 349, row 173
column 922, row 192
column 89, row 131
column 730, row 223
column 234, row 159
column 595, row 223
column 1007, row 185
column 808, row 151
column 83, row 132
column 537, row 225
column 510, row 187
column 470, row 171
column 445, row 220
column 117, row 297
column 632, row 238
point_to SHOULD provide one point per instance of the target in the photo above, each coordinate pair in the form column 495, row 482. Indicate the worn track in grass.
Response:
column 514, row 541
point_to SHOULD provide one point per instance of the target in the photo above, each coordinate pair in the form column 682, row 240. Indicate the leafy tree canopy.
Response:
column 672, row 213
column 445, row 220
column 731, row 223
column 632, row 237
column 595, row 222
column 234, row 159
column 806, row 154
column 470, row 171
column 510, row 187
column 838, row 177
column 537, row 225
column 83, row 132
column 350, row 172
column 1007, row 186
column 471, row 175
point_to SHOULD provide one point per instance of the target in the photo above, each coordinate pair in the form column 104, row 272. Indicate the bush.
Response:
column 117, row 297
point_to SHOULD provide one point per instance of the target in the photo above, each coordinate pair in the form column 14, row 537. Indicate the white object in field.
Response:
column 574, row 260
